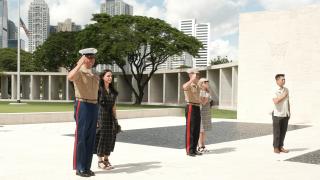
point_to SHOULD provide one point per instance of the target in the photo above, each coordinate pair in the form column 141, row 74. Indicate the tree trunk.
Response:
column 139, row 97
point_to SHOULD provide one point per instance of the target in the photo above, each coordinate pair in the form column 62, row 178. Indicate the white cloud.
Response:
column 79, row 11
column 223, row 48
column 143, row 10
column 222, row 14
column 285, row 4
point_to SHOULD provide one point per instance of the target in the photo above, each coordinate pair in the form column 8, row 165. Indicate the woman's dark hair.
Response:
column 101, row 82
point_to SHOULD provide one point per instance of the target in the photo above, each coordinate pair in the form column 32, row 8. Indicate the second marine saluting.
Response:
column 193, row 118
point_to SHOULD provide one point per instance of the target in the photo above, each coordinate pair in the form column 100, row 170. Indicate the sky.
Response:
column 223, row 15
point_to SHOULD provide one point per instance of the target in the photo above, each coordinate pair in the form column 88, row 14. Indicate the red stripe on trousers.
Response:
column 76, row 139
column 188, row 128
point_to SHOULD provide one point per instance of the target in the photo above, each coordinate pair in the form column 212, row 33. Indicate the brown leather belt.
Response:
column 93, row 101
column 193, row 104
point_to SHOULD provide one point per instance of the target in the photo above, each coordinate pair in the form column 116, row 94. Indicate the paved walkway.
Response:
column 238, row 151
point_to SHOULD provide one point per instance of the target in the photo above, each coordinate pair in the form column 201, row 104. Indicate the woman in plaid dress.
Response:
column 206, row 124
column 107, row 121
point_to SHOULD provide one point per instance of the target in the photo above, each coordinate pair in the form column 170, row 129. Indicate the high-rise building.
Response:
column 116, row 7
column 13, row 36
column 12, row 30
column 202, row 33
column 3, row 24
column 53, row 29
column 13, row 43
column 68, row 25
column 38, row 23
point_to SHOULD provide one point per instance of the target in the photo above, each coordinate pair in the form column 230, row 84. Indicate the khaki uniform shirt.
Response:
column 86, row 85
column 192, row 94
column 282, row 109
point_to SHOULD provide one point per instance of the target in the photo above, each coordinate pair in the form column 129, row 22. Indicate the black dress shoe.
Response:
column 83, row 174
column 91, row 173
column 191, row 154
column 198, row 153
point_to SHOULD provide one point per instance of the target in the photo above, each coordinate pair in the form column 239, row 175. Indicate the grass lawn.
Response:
column 225, row 114
column 5, row 107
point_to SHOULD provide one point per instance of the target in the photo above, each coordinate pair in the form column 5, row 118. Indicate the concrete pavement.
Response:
column 44, row 151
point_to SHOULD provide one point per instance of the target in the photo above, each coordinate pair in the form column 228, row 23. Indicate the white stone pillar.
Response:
column 13, row 87
column 234, row 87
column 66, row 85
column 49, row 88
column 149, row 91
column 164, row 76
column 179, row 88
column 31, row 88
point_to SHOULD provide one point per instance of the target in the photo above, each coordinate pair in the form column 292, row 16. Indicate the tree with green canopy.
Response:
column 59, row 50
column 8, row 60
column 138, row 45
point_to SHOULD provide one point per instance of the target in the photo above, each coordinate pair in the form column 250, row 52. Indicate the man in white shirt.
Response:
column 281, row 114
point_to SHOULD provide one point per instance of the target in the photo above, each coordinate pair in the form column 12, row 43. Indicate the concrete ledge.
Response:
column 52, row 117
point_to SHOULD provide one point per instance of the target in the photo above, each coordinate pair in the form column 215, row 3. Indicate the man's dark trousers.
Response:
column 86, row 123
column 192, row 128
column 280, row 126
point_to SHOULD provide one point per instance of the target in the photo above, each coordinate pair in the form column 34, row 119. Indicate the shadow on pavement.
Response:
column 310, row 158
column 174, row 136
column 131, row 167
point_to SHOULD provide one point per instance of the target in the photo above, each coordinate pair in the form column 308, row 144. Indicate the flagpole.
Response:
column 18, row 63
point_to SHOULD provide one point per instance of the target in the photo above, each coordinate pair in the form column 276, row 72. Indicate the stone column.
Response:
column 25, row 87
column 4, row 87
column 13, row 87
column 45, row 87
column 234, row 87
column 35, row 87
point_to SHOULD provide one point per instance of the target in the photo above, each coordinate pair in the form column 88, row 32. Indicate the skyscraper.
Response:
column 202, row 33
column 3, row 24
column 38, row 23
column 116, row 7
column 12, row 30
column 68, row 25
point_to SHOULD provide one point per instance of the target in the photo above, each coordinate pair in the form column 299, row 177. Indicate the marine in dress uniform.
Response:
column 193, row 118
column 86, row 86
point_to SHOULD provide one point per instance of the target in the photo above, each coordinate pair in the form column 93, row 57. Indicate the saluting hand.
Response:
column 193, row 77
column 81, row 60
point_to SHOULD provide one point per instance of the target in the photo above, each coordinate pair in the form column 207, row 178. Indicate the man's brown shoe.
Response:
column 284, row 150
column 276, row 150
